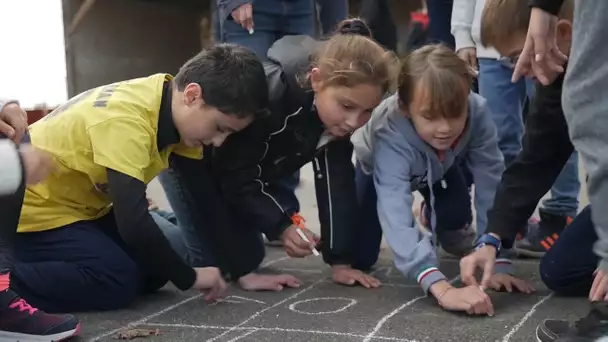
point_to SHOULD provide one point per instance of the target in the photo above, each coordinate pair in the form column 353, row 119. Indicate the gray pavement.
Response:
column 322, row 311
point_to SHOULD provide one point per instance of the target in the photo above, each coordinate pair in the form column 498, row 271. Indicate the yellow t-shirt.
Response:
column 113, row 126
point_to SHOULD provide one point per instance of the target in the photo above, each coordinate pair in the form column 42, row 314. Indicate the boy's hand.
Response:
column 243, row 15
column 38, row 164
column 484, row 258
column 502, row 281
column 344, row 274
column 13, row 122
column 540, row 56
column 469, row 55
column 294, row 245
column 210, row 279
column 470, row 299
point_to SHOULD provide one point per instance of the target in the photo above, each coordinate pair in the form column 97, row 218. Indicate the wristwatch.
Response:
column 488, row 240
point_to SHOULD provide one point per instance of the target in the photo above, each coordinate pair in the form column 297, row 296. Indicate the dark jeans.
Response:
column 331, row 12
column 567, row 268
column 272, row 20
column 377, row 15
column 440, row 16
column 452, row 206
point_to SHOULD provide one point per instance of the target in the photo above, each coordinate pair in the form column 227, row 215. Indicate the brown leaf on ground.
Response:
column 130, row 334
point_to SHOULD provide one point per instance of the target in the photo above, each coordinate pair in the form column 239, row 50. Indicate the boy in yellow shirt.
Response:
column 86, row 240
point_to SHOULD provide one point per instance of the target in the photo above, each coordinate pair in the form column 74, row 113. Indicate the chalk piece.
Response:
column 303, row 236
column 251, row 31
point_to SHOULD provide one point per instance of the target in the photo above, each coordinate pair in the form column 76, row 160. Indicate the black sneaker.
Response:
column 536, row 243
column 591, row 327
column 551, row 329
column 21, row 322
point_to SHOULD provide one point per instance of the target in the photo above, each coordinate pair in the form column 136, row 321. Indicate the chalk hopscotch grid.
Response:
column 248, row 330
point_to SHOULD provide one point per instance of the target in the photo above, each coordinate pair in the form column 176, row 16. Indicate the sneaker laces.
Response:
column 21, row 305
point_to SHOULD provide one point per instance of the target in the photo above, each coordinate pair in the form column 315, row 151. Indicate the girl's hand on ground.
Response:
column 470, row 299
column 599, row 289
column 13, row 122
column 268, row 282
column 210, row 279
column 502, row 281
column 345, row 275
column 243, row 15
column 38, row 164
column 294, row 245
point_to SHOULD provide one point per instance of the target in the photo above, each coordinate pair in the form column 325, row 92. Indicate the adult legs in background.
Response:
column 452, row 206
column 377, row 15
column 440, row 15
column 367, row 234
column 331, row 12
column 506, row 102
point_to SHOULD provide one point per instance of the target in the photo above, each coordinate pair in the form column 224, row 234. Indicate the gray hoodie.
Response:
column 389, row 147
column 10, row 162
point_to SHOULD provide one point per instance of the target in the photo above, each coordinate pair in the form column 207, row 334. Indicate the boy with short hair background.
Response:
column 506, row 103
column 569, row 267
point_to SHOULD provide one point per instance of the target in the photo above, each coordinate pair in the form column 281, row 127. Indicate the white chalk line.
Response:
column 243, row 335
column 527, row 316
column 384, row 319
column 168, row 308
column 315, row 271
column 268, row 308
column 247, row 328
column 350, row 303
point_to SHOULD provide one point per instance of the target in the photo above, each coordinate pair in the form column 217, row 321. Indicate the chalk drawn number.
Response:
column 348, row 303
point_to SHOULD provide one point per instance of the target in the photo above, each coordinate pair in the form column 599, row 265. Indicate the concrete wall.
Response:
column 122, row 39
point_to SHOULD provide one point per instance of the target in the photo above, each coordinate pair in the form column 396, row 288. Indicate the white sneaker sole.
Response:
column 6, row 336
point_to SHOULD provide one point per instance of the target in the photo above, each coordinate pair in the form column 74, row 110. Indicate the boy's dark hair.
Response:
column 445, row 78
column 501, row 19
column 232, row 79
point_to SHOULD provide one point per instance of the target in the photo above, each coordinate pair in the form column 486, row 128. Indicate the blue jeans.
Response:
column 506, row 102
column 440, row 15
column 567, row 267
column 331, row 12
column 452, row 211
column 272, row 19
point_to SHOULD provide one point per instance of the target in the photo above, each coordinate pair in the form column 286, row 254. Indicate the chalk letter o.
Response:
column 350, row 302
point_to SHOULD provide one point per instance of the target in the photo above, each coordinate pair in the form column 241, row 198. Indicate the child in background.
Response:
column 569, row 266
column 18, row 320
column 86, row 240
column 416, row 140
column 505, row 101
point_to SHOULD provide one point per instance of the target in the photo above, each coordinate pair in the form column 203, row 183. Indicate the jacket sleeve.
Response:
column 241, row 183
column 413, row 252
column 551, row 6
column 463, row 12
column 337, row 200
column 545, row 150
column 11, row 170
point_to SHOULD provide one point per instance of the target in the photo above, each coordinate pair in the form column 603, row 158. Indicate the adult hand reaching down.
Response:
column 599, row 288
column 210, row 279
column 243, row 15
column 13, row 121
column 483, row 258
column 469, row 56
column 540, row 57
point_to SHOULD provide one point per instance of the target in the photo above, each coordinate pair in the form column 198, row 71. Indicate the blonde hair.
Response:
column 445, row 77
column 503, row 18
column 351, row 59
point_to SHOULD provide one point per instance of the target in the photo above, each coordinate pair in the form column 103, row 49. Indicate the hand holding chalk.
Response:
column 303, row 236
